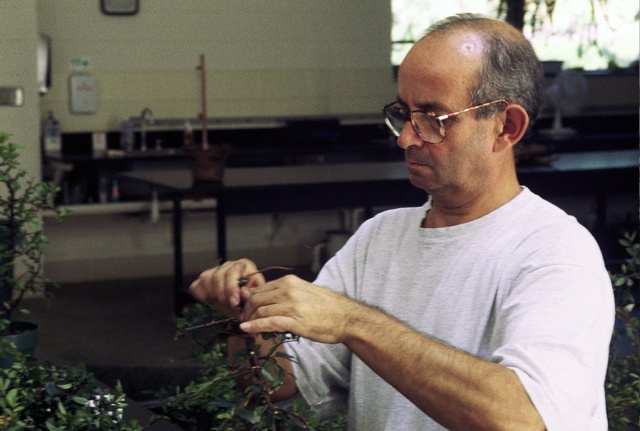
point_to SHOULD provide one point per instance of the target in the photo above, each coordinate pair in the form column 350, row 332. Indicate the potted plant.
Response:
column 207, row 161
column 213, row 401
column 22, row 241
column 623, row 375
column 40, row 396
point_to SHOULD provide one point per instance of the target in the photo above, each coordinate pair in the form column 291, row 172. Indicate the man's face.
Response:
column 436, row 77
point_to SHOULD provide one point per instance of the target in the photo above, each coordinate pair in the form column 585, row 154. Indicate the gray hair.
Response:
column 510, row 69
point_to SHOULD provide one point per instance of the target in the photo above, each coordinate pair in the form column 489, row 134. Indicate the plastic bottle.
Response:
column 127, row 135
column 115, row 191
column 103, row 189
column 52, row 141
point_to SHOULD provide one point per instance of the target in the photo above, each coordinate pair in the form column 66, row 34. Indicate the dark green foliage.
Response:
column 623, row 375
column 214, row 402
column 40, row 396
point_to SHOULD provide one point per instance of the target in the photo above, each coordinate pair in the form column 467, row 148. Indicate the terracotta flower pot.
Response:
column 207, row 166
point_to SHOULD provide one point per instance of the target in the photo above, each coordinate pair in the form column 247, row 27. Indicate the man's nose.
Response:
column 409, row 137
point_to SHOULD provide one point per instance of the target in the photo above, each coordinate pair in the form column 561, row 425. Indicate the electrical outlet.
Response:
column 11, row 96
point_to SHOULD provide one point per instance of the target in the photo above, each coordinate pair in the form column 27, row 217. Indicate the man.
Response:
column 487, row 307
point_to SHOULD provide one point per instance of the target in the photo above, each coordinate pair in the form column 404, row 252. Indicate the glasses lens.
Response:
column 394, row 117
column 426, row 126
column 429, row 128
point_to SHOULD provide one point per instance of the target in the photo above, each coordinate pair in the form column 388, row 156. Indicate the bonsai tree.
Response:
column 22, row 241
column 623, row 375
column 213, row 401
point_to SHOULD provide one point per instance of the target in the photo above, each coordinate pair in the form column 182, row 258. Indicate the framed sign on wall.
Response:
column 83, row 89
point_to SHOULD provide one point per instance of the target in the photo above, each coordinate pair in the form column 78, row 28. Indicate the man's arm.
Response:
column 456, row 389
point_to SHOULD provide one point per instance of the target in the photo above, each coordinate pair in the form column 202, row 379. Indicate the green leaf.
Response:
column 11, row 397
column 266, row 374
column 248, row 415
column 81, row 400
column 620, row 281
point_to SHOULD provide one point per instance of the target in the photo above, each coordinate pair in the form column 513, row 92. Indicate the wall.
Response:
column 263, row 58
column 18, row 44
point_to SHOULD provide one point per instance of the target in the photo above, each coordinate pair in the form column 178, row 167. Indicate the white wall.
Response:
column 263, row 58
column 18, row 44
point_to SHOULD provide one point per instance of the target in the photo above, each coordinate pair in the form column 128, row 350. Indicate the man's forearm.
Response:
column 454, row 388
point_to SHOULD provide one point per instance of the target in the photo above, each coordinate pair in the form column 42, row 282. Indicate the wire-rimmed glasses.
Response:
column 428, row 125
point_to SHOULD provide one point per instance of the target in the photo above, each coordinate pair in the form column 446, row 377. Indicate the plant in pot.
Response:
column 22, row 241
column 207, row 161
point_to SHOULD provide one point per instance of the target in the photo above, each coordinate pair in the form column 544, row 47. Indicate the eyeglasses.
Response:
column 428, row 125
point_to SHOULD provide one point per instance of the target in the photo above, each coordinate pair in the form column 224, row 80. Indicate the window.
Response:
column 572, row 36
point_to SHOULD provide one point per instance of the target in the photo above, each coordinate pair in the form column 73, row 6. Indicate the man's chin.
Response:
column 421, row 182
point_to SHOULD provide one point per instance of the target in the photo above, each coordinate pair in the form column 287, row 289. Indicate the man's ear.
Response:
column 515, row 121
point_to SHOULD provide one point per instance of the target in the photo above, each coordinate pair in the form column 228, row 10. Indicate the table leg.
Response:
column 221, row 227
column 177, row 255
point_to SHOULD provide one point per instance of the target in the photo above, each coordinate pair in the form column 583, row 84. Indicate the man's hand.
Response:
column 220, row 286
column 290, row 304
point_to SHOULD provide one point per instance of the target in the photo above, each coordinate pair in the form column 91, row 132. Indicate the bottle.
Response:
column 187, row 138
column 115, row 191
column 103, row 189
column 127, row 135
column 52, row 141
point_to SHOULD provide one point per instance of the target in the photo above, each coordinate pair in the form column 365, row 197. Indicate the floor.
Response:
column 121, row 330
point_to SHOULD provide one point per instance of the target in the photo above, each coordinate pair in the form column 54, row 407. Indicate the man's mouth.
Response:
column 413, row 159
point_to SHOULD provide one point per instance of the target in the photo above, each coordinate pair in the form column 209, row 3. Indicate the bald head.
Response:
column 506, row 66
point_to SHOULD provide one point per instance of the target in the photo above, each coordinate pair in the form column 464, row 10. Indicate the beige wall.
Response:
column 18, row 39
column 264, row 58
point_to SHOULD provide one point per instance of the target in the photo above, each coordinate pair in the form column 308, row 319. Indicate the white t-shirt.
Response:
column 524, row 286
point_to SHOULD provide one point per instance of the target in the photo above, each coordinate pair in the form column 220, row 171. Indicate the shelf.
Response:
column 135, row 207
